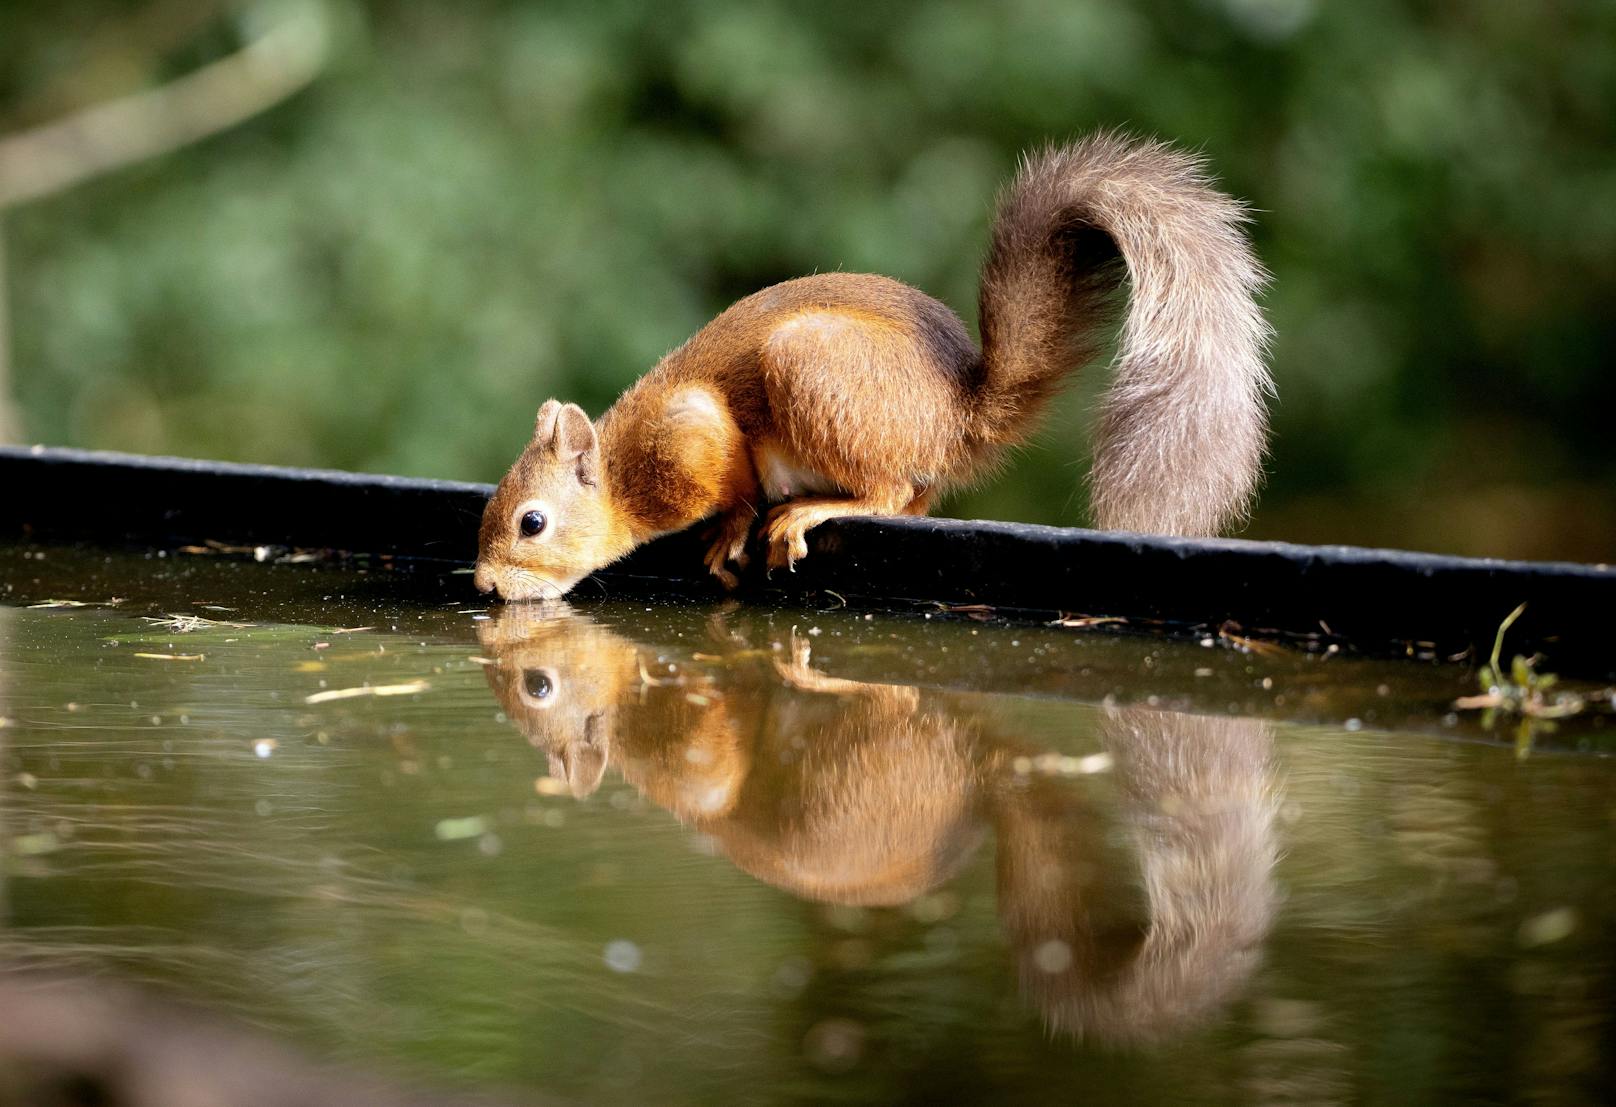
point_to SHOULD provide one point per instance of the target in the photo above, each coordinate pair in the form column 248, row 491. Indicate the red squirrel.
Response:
column 853, row 394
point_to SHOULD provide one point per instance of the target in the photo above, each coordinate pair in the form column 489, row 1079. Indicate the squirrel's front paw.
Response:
column 785, row 533
column 729, row 547
column 718, row 559
column 726, row 578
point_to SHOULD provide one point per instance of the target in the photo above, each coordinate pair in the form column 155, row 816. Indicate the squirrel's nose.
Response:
column 483, row 578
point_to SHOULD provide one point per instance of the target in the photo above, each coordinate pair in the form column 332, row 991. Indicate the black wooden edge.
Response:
column 1377, row 601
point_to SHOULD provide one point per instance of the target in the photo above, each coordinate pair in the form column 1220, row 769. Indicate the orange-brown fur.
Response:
column 846, row 394
column 849, row 792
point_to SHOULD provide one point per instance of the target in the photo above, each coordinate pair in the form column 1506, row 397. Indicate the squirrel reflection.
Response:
column 869, row 794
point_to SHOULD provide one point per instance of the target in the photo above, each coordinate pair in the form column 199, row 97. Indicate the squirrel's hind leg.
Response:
column 786, row 528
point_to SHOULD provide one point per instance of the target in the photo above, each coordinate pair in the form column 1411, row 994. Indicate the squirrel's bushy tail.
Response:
column 1182, row 427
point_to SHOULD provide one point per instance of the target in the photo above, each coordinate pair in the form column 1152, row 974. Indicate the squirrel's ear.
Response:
column 544, row 427
column 575, row 440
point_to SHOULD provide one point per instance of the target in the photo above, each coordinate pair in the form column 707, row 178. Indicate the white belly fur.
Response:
column 784, row 477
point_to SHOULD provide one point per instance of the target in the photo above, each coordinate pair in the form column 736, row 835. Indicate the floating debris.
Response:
column 186, row 624
column 405, row 689
column 281, row 555
column 454, row 830
column 981, row 612
column 58, row 603
column 1071, row 620
column 1227, row 632
column 214, row 547
column 173, row 656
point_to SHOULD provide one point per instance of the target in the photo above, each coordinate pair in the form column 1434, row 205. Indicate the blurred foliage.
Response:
column 484, row 204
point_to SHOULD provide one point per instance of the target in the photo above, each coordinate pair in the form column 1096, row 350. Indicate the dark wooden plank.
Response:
column 1385, row 602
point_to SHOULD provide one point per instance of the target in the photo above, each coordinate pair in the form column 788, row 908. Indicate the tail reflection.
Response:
column 1125, row 925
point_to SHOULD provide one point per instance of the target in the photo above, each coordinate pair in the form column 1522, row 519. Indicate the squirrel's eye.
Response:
column 537, row 684
column 532, row 523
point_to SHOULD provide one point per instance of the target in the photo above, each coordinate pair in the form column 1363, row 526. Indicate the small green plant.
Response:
column 1522, row 693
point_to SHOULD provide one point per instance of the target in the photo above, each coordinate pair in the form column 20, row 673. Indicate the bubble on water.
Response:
column 934, row 907
column 264, row 747
column 834, row 1045
column 1053, row 956
column 1547, row 928
column 622, row 956
column 792, row 976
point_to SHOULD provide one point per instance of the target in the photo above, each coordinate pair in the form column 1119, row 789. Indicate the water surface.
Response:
column 635, row 851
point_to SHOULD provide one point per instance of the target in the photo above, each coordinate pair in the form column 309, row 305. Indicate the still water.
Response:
column 631, row 851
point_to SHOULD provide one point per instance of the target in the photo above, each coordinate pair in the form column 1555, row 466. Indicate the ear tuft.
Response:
column 544, row 427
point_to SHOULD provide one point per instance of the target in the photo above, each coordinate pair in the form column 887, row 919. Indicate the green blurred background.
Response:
column 476, row 205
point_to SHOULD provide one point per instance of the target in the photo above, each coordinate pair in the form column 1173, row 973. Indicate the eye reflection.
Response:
column 537, row 683
column 532, row 523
